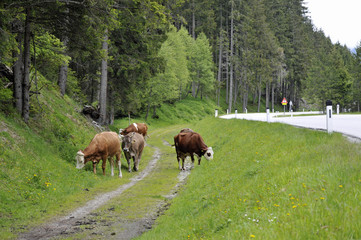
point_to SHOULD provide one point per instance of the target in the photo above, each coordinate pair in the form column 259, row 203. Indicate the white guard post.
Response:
column 216, row 113
column 227, row 111
column 235, row 113
column 268, row 116
column 329, row 116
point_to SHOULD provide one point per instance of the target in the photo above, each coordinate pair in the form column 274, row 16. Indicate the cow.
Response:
column 140, row 128
column 188, row 143
column 184, row 130
column 104, row 145
column 133, row 145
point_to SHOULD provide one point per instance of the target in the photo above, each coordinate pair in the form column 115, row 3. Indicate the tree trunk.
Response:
column 26, row 79
column 227, row 78
column 259, row 94
column 18, row 73
column 193, row 21
column 231, row 66
column 267, row 95
column 104, row 81
column 245, row 96
column 63, row 75
column 273, row 97
column 219, row 78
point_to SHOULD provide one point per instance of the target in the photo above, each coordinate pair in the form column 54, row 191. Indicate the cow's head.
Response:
column 128, row 141
column 209, row 153
column 80, row 160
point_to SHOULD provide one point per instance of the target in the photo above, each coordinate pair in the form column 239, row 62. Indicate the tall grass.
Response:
column 268, row 181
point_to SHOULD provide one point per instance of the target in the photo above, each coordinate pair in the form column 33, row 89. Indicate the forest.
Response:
column 132, row 56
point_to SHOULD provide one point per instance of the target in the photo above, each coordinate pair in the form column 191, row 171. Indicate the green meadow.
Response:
column 268, row 181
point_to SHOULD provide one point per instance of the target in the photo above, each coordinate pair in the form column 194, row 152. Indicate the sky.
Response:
column 339, row 19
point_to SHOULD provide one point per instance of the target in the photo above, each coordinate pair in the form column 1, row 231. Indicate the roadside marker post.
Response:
column 235, row 113
column 338, row 109
column 216, row 113
column 268, row 116
column 284, row 103
column 329, row 116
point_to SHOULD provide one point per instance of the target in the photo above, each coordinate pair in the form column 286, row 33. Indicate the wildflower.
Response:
column 34, row 175
column 340, row 186
column 288, row 214
column 252, row 236
column 294, row 206
column 322, row 198
column 276, row 205
column 323, row 189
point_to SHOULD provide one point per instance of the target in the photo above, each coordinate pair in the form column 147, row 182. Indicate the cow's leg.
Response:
column 95, row 167
column 199, row 160
column 119, row 163
column 128, row 161
column 179, row 163
column 183, row 158
column 192, row 157
column 135, row 163
column 104, row 164
column 111, row 166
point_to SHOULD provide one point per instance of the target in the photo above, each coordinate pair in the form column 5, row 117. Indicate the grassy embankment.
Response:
column 268, row 181
column 38, row 178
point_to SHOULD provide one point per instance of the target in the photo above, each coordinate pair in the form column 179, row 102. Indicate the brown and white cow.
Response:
column 140, row 128
column 104, row 145
column 188, row 143
column 133, row 145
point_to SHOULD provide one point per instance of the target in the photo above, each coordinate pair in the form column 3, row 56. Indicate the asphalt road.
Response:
column 348, row 124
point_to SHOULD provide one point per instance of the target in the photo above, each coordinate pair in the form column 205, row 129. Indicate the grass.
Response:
column 38, row 178
column 268, row 181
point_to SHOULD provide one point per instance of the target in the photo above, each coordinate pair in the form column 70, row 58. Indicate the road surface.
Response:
column 348, row 124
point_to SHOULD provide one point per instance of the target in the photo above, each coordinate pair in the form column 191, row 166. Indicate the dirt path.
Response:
column 84, row 220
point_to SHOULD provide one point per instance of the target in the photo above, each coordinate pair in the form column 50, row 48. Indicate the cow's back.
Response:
column 189, row 142
column 107, row 142
column 138, row 145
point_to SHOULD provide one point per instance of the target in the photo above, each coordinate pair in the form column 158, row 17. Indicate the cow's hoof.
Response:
column 135, row 169
column 129, row 170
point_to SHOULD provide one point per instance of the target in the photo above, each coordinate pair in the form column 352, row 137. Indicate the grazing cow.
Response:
column 184, row 130
column 133, row 145
column 188, row 143
column 140, row 128
column 104, row 145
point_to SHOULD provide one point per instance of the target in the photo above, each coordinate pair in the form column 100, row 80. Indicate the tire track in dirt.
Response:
column 61, row 225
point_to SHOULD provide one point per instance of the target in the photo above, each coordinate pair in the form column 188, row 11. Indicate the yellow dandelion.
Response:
column 34, row 175
column 294, row 206
column 340, row 186
column 288, row 214
column 276, row 205
column 323, row 189
column 290, row 194
column 322, row 198
column 252, row 236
